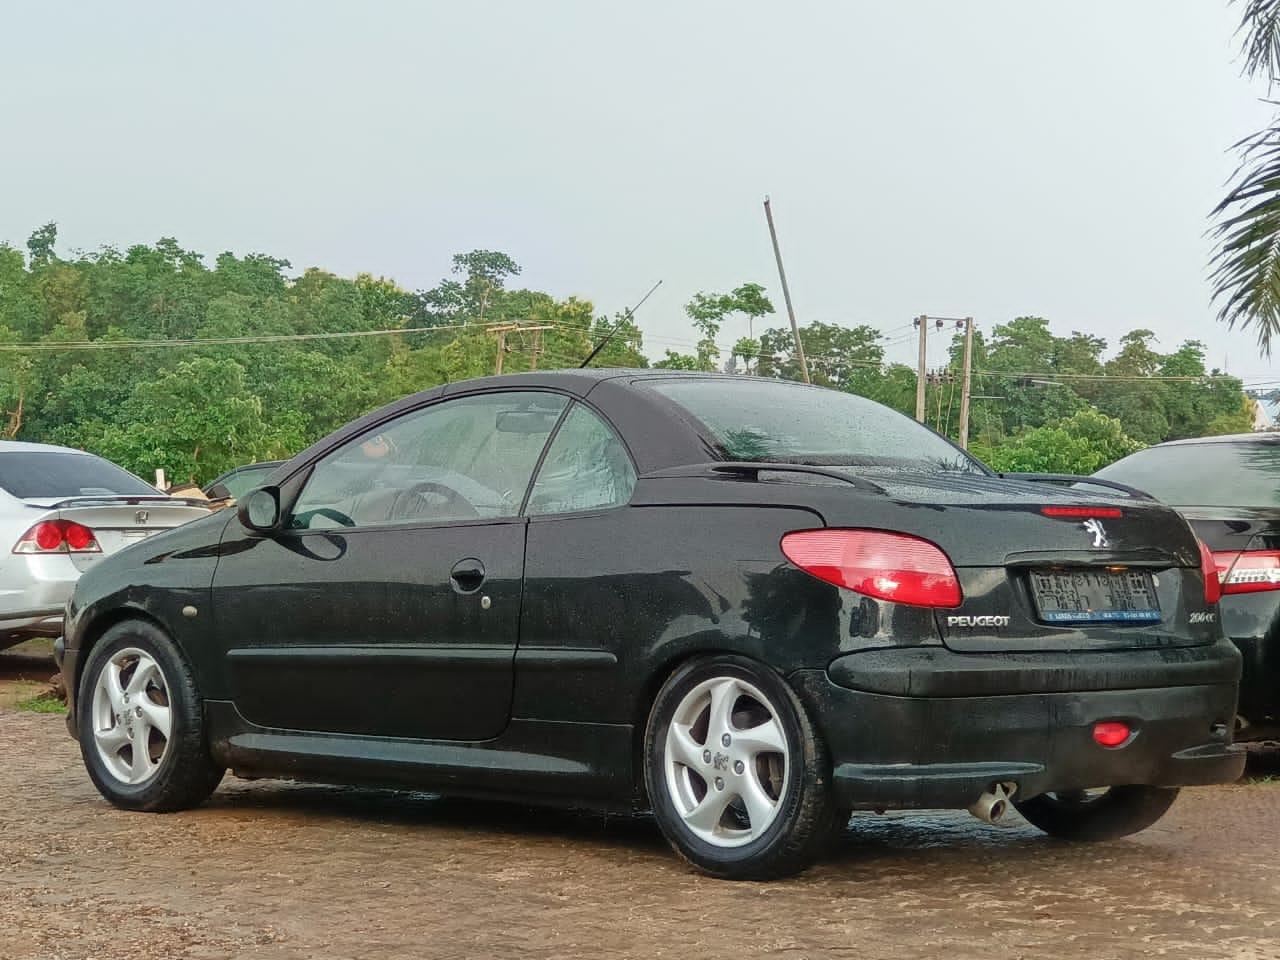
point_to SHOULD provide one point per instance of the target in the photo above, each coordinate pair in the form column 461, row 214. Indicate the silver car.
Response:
column 61, row 510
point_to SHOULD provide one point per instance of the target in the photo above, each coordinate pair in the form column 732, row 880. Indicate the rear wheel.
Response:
column 1106, row 813
column 141, row 722
column 736, row 773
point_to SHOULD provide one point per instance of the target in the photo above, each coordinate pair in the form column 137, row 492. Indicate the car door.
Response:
column 389, row 605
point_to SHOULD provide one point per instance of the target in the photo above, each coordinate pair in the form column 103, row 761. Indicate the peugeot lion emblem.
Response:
column 141, row 516
column 1099, row 534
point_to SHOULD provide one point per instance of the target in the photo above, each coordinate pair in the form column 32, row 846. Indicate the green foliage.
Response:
column 196, row 411
column 42, row 704
column 1082, row 443
column 1246, row 264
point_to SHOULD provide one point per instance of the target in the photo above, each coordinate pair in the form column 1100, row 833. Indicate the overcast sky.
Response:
column 979, row 158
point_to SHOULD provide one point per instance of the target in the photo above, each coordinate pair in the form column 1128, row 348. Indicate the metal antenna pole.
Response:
column 786, row 292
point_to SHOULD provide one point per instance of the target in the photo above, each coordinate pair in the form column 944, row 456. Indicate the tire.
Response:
column 727, row 801
column 1090, row 816
column 135, row 684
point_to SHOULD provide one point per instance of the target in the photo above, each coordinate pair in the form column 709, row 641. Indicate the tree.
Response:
column 1246, row 263
column 486, row 272
column 1080, row 444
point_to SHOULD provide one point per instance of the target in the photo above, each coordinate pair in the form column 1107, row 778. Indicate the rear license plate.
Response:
column 1095, row 596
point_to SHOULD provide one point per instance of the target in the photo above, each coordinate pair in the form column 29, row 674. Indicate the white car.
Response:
column 61, row 510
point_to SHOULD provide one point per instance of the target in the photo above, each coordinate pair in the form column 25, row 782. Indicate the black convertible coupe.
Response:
column 748, row 605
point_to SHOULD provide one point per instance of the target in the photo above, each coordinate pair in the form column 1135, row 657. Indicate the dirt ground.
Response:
column 284, row 871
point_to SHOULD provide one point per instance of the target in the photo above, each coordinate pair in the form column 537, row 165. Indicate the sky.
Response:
column 992, row 158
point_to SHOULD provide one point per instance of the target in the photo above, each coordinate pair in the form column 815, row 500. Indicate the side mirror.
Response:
column 260, row 509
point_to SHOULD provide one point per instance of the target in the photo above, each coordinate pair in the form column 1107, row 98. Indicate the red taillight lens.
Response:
column 57, row 536
column 1209, row 567
column 889, row 566
column 1248, row 572
column 1082, row 513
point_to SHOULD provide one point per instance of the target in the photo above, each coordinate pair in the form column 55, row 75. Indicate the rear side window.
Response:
column 1204, row 474
column 53, row 473
column 778, row 421
column 586, row 468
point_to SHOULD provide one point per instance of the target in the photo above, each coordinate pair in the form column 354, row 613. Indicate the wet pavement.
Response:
column 276, row 870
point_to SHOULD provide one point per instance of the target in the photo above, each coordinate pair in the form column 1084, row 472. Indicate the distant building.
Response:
column 1266, row 414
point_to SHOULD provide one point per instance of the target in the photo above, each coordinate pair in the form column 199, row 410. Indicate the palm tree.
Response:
column 1245, row 267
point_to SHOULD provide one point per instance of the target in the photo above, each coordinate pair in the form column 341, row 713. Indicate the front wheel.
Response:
column 141, row 723
column 1106, row 813
column 736, row 773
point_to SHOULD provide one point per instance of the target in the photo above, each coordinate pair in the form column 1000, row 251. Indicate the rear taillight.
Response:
column 1083, row 513
column 57, row 536
column 889, row 566
column 1209, row 567
column 1248, row 572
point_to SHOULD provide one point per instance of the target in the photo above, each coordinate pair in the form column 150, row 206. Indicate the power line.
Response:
column 220, row 341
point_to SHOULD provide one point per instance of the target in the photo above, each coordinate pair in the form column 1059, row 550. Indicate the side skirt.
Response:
column 568, row 764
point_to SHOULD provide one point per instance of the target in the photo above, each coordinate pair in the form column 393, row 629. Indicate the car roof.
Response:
column 1260, row 437
column 24, row 446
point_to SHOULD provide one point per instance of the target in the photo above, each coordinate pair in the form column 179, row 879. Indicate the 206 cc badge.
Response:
column 1094, row 527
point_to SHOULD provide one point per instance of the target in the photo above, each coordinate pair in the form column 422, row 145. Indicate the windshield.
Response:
column 1245, row 474
column 57, row 474
column 776, row 421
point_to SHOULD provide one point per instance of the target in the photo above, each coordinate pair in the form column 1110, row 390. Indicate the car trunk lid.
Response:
column 1044, row 566
column 116, row 521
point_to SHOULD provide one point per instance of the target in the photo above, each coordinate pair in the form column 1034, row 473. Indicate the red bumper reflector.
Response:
column 1111, row 733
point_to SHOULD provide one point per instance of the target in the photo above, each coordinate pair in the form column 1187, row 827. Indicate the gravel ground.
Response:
column 276, row 870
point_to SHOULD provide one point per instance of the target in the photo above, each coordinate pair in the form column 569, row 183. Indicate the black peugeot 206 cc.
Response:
column 748, row 605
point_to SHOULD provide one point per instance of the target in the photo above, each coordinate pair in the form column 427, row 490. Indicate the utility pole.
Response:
column 502, row 345
column 922, row 322
column 786, row 292
column 965, row 383
column 504, row 329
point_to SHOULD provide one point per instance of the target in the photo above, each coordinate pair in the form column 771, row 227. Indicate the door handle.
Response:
column 467, row 575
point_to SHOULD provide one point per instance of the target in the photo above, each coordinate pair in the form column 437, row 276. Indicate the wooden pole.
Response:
column 922, row 322
column 786, row 292
column 965, row 384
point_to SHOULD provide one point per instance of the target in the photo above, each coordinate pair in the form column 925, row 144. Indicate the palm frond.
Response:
column 1260, row 24
column 1245, row 269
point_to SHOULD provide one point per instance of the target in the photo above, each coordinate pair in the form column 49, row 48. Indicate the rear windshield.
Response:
column 1204, row 474
column 46, row 474
column 777, row 421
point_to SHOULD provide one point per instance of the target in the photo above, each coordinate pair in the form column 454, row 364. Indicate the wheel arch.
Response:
column 94, row 632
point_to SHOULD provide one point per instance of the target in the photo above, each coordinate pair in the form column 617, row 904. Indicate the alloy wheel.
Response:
column 727, row 761
column 132, row 719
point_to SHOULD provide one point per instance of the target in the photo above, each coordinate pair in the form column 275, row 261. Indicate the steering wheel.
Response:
column 455, row 504
column 303, row 520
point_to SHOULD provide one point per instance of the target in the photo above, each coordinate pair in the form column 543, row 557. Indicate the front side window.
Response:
column 587, row 468
column 463, row 459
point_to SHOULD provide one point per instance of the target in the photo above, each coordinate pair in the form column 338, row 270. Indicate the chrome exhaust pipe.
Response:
column 994, row 804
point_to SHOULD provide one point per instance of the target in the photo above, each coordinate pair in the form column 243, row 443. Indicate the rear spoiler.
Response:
column 752, row 469
column 1072, row 478
column 126, row 498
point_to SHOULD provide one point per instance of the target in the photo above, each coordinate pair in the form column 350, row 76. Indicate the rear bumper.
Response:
column 1031, row 727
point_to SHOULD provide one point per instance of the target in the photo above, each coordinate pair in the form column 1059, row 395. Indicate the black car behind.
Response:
column 1229, row 489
